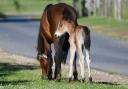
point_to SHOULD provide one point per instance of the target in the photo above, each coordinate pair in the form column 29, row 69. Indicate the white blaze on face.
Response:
column 58, row 34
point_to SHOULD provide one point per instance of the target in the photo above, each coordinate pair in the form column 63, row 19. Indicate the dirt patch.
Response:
column 17, row 59
column 97, row 75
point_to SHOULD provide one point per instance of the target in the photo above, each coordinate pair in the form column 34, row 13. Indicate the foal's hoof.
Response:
column 58, row 78
column 82, row 80
column 69, row 80
column 75, row 74
column 75, row 78
column 90, row 79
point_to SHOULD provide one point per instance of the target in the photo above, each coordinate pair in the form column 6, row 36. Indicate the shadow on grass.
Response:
column 106, row 83
column 2, row 15
column 7, row 69
column 94, row 82
column 13, row 82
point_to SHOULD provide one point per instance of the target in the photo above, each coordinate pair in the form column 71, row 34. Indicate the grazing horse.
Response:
column 79, row 37
column 48, row 25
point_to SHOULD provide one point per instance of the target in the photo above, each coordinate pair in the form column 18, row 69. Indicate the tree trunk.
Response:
column 94, row 7
column 117, row 7
column 83, row 8
column 109, row 8
column 75, row 5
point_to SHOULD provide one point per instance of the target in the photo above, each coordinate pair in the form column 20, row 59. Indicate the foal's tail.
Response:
column 87, row 39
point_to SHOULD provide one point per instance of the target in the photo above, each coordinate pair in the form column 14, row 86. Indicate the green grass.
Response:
column 13, row 76
column 107, row 26
column 25, row 7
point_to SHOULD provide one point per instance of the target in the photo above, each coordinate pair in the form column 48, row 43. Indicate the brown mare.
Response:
column 48, row 25
column 79, row 37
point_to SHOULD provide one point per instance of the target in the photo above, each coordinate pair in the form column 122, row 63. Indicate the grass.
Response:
column 107, row 26
column 23, row 7
column 14, row 76
column 20, row 76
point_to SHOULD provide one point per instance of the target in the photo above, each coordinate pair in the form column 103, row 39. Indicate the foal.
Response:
column 79, row 37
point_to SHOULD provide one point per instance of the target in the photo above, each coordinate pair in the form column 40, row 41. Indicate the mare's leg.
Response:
column 50, row 63
column 75, row 74
column 57, row 74
column 42, row 55
column 44, row 67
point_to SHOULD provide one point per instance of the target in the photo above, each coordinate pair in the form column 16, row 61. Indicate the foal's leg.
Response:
column 87, row 45
column 88, row 63
column 75, row 74
column 72, row 53
column 81, row 60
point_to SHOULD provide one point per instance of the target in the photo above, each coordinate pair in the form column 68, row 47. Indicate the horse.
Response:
column 79, row 38
column 48, row 24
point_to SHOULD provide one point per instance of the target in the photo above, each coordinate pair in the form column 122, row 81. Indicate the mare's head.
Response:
column 63, row 27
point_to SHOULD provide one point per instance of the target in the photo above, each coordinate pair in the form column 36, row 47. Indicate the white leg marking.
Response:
column 88, row 62
column 53, row 52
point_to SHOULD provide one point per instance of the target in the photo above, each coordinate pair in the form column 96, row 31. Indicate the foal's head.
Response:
column 63, row 27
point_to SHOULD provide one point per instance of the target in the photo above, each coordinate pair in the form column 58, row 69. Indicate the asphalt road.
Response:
column 108, row 54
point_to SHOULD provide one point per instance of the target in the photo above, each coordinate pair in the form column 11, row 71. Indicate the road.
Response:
column 107, row 54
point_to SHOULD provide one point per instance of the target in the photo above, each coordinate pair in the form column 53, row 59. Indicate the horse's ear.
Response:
column 67, row 15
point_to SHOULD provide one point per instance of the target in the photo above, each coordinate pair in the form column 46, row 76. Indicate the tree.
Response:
column 75, row 5
column 84, row 9
column 117, row 7
column 87, row 7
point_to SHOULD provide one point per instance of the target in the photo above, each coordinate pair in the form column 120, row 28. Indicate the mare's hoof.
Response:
column 69, row 80
column 44, row 78
column 49, row 77
column 90, row 79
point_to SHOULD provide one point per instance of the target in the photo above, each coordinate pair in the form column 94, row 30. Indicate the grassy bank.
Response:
column 107, row 26
column 25, row 7
column 18, row 74
column 26, row 77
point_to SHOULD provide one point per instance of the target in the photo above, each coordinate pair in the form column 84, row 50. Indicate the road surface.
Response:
column 108, row 54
